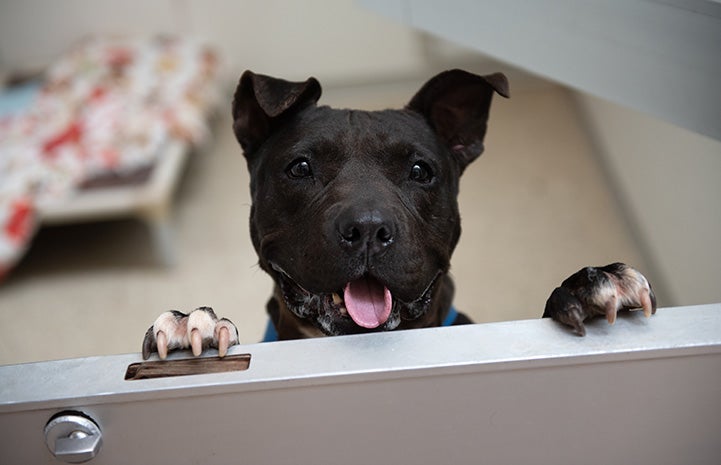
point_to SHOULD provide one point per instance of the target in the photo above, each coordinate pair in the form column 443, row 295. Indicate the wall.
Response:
column 669, row 180
column 659, row 56
column 335, row 40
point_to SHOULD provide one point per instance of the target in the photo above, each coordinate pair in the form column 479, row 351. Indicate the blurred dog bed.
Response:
column 104, row 133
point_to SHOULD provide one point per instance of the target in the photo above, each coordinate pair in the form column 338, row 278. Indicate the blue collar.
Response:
column 271, row 334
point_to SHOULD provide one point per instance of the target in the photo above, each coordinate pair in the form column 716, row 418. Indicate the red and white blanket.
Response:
column 108, row 105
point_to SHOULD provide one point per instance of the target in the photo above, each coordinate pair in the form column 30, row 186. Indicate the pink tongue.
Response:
column 368, row 302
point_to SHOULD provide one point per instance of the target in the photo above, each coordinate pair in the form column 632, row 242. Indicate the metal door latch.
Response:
column 73, row 437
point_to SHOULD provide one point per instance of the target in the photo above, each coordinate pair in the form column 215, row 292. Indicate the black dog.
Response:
column 354, row 215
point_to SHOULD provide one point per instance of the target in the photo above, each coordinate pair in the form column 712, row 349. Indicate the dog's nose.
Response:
column 370, row 229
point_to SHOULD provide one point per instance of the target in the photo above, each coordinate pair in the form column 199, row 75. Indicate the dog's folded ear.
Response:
column 262, row 102
column 456, row 104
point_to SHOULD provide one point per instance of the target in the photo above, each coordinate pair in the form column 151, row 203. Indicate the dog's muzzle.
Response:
column 364, row 304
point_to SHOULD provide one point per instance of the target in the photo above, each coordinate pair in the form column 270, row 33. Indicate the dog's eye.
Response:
column 421, row 172
column 299, row 169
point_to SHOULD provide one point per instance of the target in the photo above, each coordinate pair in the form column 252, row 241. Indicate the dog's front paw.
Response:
column 198, row 330
column 599, row 291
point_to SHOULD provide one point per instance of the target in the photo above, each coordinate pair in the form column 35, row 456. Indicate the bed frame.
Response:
column 644, row 391
column 149, row 201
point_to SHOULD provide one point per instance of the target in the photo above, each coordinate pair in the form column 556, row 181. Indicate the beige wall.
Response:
column 669, row 180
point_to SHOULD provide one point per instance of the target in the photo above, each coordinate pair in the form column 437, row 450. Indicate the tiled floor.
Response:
column 535, row 208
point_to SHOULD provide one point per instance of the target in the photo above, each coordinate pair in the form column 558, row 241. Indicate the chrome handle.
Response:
column 73, row 437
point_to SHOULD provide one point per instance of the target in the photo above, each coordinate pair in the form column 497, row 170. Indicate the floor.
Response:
column 535, row 208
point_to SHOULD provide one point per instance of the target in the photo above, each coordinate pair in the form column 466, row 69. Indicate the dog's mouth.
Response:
column 363, row 305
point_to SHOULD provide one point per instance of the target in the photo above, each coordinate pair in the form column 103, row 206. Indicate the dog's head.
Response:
column 354, row 213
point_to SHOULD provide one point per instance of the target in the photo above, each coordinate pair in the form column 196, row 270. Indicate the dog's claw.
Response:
column 196, row 331
column 196, row 341
column 226, row 335
column 600, row 291
column 648, row 303
column 223, row 338
column 162, row 342
column 611, row 307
